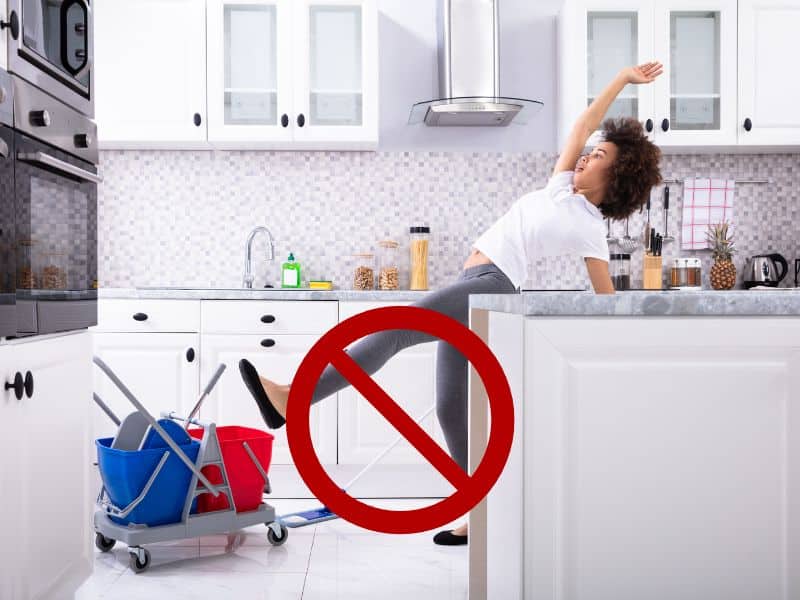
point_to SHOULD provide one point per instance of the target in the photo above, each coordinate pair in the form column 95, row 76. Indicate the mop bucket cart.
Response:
column 157, row 477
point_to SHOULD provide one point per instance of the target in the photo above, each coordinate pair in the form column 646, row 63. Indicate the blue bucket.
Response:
column 125, row 473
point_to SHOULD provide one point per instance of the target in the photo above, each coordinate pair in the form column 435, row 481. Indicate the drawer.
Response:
column 170, row 316
column 269, row 316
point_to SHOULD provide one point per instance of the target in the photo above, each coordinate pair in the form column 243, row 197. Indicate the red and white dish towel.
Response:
column 705, row 201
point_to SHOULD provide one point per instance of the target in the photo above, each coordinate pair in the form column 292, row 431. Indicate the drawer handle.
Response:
column 190, row 355
column 268, row 343
column 29, row 384
column 17, row 386
column 140, row 317
column 268, row 319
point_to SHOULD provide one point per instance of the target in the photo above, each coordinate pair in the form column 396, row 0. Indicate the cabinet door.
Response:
column 696, row 96
column 150, row 73
column 231, row 404
column 335, row 73
column 249, row 70
column 11, row 436
column 157, row 369
column 363, row 431
column 596, row 40
column 53, row 453
column 3, row 42
column 767, row 30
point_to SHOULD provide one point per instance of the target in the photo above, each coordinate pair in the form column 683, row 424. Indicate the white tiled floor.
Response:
column 332, row 560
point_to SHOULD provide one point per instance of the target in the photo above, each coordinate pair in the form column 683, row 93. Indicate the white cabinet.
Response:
column 150, row 86
column 45, row 512
column 3, row 40
column 767, row 97
column 286, row 74
column 693, row 103
column 276, row 357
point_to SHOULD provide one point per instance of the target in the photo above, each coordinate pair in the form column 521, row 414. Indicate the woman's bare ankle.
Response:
column 460, row 530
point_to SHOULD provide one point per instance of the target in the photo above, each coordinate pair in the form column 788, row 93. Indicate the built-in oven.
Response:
column 55, row 189
column 8, row 286
column 50, row 45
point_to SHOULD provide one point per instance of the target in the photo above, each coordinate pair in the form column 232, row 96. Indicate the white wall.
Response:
column 408, row 74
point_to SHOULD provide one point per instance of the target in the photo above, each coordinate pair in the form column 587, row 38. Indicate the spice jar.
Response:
column 26, row 269
column 389, row 274
column 620, row 268
column 686, row 273
column 364, row 271
column 420, row 236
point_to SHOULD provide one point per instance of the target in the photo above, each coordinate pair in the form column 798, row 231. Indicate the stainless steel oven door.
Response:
column 53, row 48
column 56, row 228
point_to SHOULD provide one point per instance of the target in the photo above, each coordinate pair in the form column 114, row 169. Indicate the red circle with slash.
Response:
column 470, row 490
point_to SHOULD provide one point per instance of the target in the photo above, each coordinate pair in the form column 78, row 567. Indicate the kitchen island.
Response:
column 656, row 450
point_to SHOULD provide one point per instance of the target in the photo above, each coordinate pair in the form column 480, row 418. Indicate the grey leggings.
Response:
column 371, row 353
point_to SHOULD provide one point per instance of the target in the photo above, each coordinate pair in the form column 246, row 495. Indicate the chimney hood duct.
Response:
column 469, row 71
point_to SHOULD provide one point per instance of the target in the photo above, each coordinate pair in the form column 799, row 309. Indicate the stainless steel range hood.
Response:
column 469, row 71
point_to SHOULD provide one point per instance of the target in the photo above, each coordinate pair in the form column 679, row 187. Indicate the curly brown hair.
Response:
column 635, row 170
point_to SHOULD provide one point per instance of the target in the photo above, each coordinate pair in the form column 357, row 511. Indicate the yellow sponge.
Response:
column 320, row 285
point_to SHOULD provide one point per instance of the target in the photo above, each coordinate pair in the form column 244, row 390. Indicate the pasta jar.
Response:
column 420, row 237
column 389, row 275
column 364, row 271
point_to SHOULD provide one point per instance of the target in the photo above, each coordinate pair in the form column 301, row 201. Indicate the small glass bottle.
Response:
column 389, row 275
column 364, row 271
column 621, row 271
column 420, row 238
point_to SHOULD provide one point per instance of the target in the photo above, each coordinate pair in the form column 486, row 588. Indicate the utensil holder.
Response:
column 652, row 272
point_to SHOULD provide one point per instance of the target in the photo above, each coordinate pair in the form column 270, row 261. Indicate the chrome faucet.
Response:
column 248, row 254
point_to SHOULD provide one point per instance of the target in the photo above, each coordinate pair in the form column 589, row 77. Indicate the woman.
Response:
column 564, row 218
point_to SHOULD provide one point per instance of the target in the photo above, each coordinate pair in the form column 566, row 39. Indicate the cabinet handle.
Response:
column 268, row 343
column 665, row 125
column 18, row 386
column 12, row 24
column 140, row 317
column 285, row 120
column 648, row 125
column 301, row 120
column 748, row 124
column 197, row 119
column 268, row 319
column 29, row 384
column 190, row 355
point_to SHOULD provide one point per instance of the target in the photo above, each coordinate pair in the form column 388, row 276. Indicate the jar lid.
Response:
column 420, row 229
column 620, row 257
column 364, row 255
column 388, row 244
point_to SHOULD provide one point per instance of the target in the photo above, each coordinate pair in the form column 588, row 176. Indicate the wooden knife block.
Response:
column 652, row 272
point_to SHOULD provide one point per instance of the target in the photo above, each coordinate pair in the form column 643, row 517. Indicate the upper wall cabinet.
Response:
column 280, row 74
column 768, row 93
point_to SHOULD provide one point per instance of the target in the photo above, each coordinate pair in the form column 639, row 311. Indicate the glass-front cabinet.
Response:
column 302, row 72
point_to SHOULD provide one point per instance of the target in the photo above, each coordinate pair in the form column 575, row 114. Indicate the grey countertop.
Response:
column 705, row 303
column 180, row 293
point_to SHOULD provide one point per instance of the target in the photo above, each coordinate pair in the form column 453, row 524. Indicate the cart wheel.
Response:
column 103, row 543
column 277, row 540
column 137, row 566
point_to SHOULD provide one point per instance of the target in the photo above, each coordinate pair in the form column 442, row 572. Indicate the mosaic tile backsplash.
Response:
column 180, row 218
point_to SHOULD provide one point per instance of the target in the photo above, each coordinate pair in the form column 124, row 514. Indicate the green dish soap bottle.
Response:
column 290, row 273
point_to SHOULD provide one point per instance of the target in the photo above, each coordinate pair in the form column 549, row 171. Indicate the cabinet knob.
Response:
column 39, row 118
column 268, row 319
column 18, row 386
column 285, row 120
column 665, row 125
column 82, row 140
column 748, row 124
column 268, row 343
column 29, row 384
column 648, row 125
column 190, row 355
column 140, row 317
column 197, row 119
column 12, row 24
column 301, row 120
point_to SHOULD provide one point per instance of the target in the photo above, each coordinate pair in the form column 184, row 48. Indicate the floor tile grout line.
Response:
column 308, row 564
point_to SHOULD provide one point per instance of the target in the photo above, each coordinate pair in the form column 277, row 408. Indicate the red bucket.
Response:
column 245, row 480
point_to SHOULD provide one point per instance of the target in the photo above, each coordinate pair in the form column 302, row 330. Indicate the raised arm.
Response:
column 594, row 114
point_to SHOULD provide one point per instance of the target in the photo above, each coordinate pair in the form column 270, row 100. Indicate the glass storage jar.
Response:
column 389, row 274
column 420, row 238
column 621, row 271
column 27, row 265
column 364, row 271
column 53, row 271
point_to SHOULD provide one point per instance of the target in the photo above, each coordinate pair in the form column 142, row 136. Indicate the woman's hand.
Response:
column 644, row 73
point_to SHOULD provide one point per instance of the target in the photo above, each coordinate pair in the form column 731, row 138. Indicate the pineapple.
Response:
column 723, row 272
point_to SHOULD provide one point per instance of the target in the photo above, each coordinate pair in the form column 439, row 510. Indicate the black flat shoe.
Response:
column 269, row 413
column 448, row 538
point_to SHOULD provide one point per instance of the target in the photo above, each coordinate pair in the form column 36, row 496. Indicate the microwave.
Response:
column 50, row 44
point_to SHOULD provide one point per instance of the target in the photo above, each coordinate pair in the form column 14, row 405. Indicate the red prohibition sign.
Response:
column 330, row 350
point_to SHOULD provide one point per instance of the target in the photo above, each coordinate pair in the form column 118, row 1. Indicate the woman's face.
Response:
column 591, row 170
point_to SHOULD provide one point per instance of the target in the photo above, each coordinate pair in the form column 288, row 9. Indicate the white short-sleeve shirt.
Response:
column 553, row 221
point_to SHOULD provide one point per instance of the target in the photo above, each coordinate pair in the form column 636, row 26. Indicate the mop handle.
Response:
column 386, row 450
column 204, row 395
